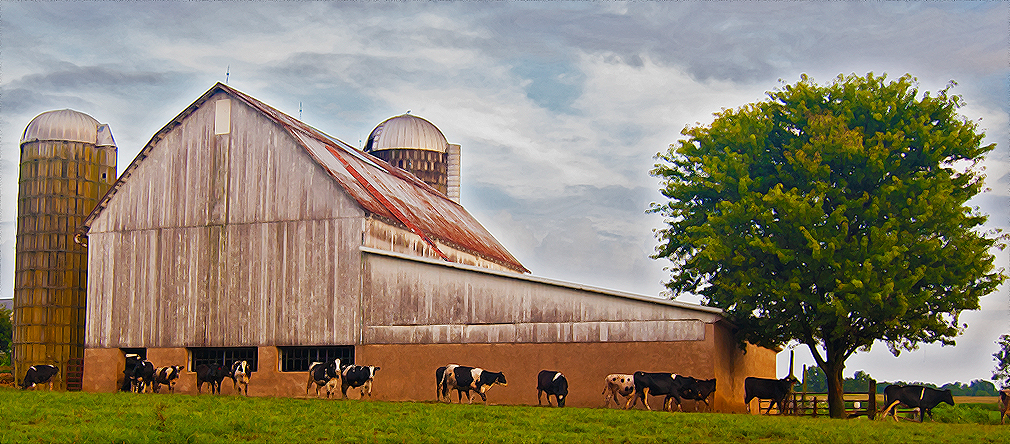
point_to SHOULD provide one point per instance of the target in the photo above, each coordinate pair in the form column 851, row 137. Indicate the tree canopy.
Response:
column 1002, row 357
column 832, row 215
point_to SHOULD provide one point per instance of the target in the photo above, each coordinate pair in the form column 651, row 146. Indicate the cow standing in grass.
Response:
column 774, row 389
column 166, row 376
column 354, row 376
column 552, row 383
column 323, row 374
column 39, row 374
column 467, row 379
column 617, row 384
column 240, row 374
column 914, row 396
column 213, row 374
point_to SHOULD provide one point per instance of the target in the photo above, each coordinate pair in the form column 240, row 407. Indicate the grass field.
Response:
column 40, row 416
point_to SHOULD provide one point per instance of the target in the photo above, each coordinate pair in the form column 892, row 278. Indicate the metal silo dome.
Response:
column 406, row 132
column 65, row 124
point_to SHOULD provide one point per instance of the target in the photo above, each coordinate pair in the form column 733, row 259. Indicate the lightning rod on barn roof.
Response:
column 299, row 110
column 227, row 72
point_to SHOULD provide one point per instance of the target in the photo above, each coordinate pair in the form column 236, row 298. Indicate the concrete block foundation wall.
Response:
column 408, row 371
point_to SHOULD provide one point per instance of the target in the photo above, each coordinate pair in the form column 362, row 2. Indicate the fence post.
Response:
column 872, row 402
column 815, row 406
column 803, row 396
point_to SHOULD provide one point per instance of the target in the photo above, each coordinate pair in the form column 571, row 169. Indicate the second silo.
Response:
column 68, row 162
column 416, row 145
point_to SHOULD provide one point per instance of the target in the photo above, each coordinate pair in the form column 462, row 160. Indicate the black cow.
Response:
column 698, row 390
column 322, row 374
column 357, row 376
column 129, row 381
column 552, row 383
column 439, row 383
column 657, row 384
column 212, row 374
column 240, row 374
column 914, row 396
column 1004, row 402
column 39, row 374
column 166, row 376
column 466, row 379
column 774, row 389
column 143, row 377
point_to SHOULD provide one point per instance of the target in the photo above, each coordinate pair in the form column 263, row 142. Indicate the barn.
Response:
column 239, row 232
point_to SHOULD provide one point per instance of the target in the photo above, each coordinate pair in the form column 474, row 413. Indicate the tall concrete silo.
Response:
column 68, row 162
column 416, row 145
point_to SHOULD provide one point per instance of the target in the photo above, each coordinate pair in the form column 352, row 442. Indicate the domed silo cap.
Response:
column 66, row 125
column 406, row 132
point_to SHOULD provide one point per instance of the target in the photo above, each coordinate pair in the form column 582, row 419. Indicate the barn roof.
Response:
column 378, row 187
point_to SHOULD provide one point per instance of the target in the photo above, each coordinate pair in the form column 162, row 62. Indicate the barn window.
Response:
column 225, row 356
column 298, row 359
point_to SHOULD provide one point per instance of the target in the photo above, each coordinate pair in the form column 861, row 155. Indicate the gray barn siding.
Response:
column 225, row 240
column 422, row 301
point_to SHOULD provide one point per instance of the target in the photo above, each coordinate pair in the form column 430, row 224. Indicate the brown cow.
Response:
column 617, row 384
column 1004, row 401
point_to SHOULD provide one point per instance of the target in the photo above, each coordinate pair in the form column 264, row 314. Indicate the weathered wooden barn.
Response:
column 239, row 232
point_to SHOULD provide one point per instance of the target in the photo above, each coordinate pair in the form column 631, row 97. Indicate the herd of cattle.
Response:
column 141, row 375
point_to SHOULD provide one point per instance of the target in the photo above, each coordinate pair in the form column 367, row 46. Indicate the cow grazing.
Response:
column 552, row 383
column 240, row 374
column 357, row 376
column 212, row 374
column 657, row 384
column 166, row 376
column 774, row 389
column 39, row 374
column 1004, row 402
column 322, row 374
column 914, row 396
column 467, row 379
column 698, row 390
column 143, row 377
column 617, row 384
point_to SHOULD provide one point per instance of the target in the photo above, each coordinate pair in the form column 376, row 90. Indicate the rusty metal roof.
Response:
column 378, row 187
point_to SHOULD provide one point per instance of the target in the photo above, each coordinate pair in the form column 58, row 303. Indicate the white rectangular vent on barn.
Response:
column 222, row 117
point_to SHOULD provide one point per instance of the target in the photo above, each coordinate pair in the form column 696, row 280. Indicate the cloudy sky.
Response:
column 559, row 107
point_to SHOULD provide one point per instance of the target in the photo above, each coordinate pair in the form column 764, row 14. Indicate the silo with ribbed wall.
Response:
column 416, row 145
column 68, row 162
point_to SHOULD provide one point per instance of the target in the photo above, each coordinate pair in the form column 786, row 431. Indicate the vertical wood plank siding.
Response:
column 226, row 240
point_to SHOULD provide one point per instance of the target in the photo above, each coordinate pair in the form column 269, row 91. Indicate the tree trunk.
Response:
column 836, row 399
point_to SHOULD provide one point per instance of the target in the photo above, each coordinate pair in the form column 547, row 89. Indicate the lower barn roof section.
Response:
column 412, row 300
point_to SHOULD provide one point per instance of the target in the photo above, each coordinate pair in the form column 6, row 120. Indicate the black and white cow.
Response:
column 914, row 396
column 39, row 374
column 212, row 374
column 143, row 377
column 166, row 376
column 657, row 384
column 240, row 374
column 322, row 374
column 774, row 389
column 698, row 390
column 467, row 379
column 617, row 384
column 357, row 376
column 552, row 383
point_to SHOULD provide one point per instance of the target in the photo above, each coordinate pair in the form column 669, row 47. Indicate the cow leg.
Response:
column 539, row 393
column 645, row 398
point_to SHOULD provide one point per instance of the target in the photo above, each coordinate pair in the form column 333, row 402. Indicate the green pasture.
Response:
column 41, row 416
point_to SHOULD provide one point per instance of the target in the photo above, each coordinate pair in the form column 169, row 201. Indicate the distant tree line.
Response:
column 817, row 383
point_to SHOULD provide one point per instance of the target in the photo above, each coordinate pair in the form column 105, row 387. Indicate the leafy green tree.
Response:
column 1002, row 373
column 834, row 216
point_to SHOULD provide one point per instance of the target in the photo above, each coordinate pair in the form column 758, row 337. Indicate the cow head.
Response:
column 945, row 396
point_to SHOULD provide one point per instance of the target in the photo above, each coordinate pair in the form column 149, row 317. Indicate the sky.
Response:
column 560, row 107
